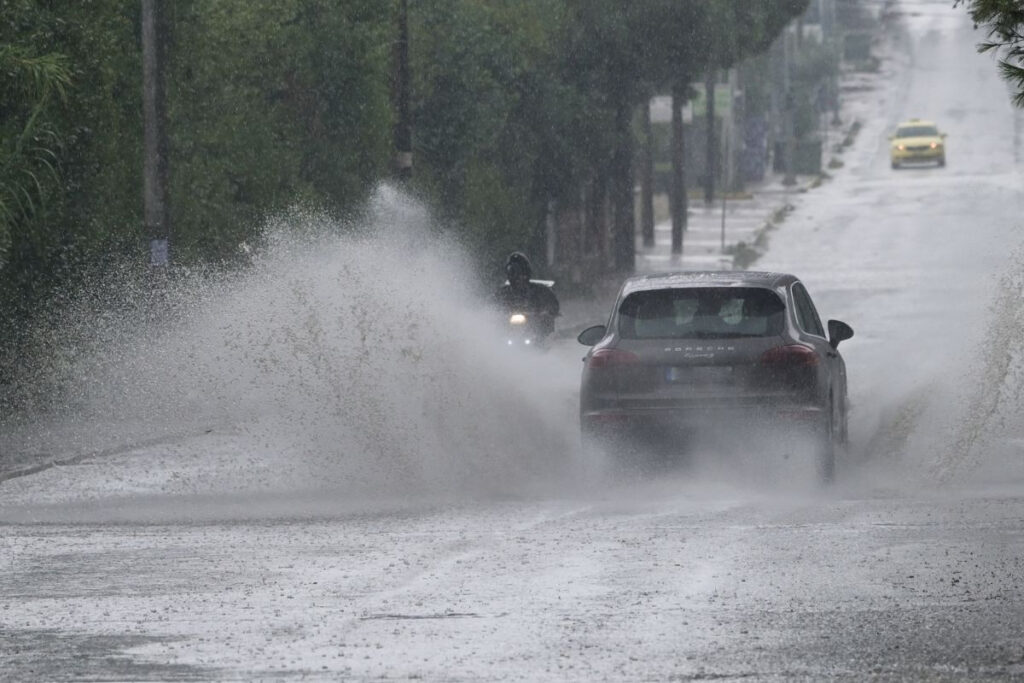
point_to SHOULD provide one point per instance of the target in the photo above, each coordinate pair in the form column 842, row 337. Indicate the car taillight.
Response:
column 790, row 356
column 609, row 358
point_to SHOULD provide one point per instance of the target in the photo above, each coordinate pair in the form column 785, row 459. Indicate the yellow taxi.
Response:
column 917, row 140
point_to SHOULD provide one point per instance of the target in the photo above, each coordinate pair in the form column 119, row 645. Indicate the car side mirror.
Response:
column 943, row 135
column 592, row 335
column 838, row 331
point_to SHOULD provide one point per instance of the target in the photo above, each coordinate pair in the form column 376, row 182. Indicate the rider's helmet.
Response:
column 517, row 269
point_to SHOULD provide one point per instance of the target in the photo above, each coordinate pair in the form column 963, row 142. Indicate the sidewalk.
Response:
column 723, row 235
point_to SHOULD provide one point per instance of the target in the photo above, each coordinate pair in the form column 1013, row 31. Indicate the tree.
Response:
column 84, row 151
column 1004, row 22
column 646, row 173
column 736, row 30
column 28, row 142
column 691, row 39
column 493, row 118
column 269, row 104
column 272, row 104
column 608, row 50
column 674, row 58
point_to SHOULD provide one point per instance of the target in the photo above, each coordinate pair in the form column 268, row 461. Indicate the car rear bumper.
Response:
column 917, row 155
column 717, row 416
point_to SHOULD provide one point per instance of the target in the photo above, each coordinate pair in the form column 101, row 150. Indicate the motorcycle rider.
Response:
column 520, row 295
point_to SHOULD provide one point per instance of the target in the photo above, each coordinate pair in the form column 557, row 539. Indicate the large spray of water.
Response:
column 988, row 436
column 359, row 360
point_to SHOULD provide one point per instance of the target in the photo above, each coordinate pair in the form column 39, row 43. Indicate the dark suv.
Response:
column 734, row 349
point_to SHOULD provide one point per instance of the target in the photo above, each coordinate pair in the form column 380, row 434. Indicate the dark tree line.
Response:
column 516, row 107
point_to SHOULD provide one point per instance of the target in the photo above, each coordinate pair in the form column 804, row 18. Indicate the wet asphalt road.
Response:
column 144, row 565
column 694, row 582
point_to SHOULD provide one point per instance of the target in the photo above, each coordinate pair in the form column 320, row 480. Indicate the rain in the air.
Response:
column 475, row 340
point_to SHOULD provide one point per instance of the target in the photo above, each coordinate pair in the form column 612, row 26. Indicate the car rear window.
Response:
column 701, row 313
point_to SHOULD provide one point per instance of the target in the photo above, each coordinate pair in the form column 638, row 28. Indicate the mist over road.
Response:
column 431, row 517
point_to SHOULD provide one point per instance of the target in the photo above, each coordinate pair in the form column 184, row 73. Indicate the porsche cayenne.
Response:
column 734, row 349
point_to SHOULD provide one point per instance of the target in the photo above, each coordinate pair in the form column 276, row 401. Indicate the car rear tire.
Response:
column 895, row 165
column 942, row 161
column 826, row 451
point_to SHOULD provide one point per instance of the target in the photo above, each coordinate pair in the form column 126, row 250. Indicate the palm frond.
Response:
column 1003, row 21
column 38, row 77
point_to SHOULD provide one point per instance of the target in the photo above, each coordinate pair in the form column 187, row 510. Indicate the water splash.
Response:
column 356, row 356
column 994, row 403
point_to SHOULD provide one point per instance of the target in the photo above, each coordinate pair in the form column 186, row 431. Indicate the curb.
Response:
column 6, row 475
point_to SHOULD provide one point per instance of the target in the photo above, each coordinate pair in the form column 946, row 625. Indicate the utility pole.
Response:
column 725, row 182
column 788, row 109
column 709, row 110
column 834, row 41
column 155, row 163
column 402, row 165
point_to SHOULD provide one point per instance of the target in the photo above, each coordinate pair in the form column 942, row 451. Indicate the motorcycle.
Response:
column 527, row 329
column 521, row 333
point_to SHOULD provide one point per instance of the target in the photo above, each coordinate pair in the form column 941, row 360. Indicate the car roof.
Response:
column 915, row 122
column 706, row 278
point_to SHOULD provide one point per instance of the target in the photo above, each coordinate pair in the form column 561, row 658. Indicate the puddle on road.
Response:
column 48, row 655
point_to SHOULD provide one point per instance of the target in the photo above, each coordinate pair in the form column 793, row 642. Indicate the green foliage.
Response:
column 277, row 102
column 1004, row 22
column 83, row 123
column 269, row 103
column 609, row 46
column 767, row 20
column 488, row 110
column 28, row 142
column 685, row 38
column 272, row 103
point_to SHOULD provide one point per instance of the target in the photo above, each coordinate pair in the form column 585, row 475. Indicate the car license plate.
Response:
column 700, row 374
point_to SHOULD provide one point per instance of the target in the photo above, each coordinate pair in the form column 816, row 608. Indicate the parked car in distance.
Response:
column 734, row 348
column 917, row 140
